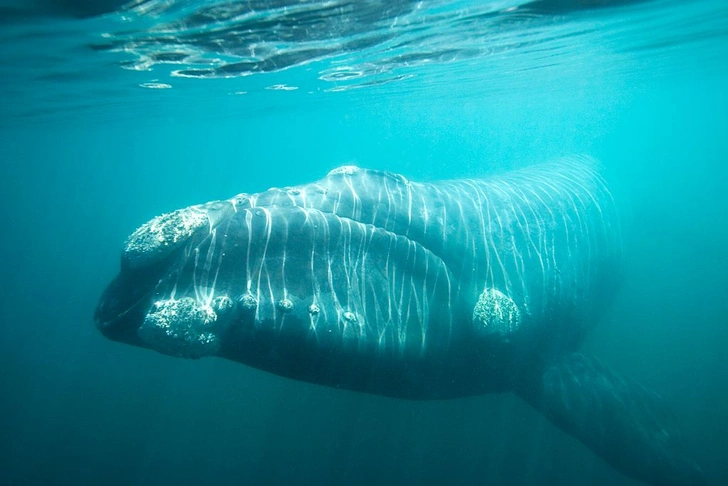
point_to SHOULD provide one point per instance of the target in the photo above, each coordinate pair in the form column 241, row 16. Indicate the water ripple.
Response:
column 231, row 38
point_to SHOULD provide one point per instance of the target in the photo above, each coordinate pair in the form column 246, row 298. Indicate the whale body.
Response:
column 367, row 281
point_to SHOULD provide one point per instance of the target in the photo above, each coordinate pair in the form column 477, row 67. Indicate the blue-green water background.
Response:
column 87, row 155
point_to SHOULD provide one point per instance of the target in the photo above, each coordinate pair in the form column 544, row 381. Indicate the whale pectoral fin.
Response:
column 624, row 423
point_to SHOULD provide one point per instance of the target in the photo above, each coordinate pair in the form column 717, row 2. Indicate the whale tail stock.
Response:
column 624, row 423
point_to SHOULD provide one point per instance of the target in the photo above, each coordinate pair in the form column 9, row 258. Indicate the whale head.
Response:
column 280, row 277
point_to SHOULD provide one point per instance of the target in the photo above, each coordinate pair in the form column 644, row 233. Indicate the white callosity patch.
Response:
column 248, row 302
column 345, row 170
column 162, row 235
column 181, row 328
column 222, row 304
column 496, row 314
column 286, row 305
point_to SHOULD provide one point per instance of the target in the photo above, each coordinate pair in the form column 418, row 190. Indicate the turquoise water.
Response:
column 109, row 119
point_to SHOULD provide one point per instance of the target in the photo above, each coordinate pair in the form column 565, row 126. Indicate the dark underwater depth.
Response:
column 113, row 114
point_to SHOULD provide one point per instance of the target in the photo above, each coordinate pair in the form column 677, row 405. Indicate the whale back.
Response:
column 545, row 240
column 368, row 281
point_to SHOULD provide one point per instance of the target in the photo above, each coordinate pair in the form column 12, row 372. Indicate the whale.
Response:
column 367, row 281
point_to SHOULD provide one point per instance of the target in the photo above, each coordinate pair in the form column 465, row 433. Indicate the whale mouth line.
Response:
column 125, row 313
column 117, row 317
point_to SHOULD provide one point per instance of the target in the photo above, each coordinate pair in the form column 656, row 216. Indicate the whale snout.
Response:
column 150, row 259
column 122, row 307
